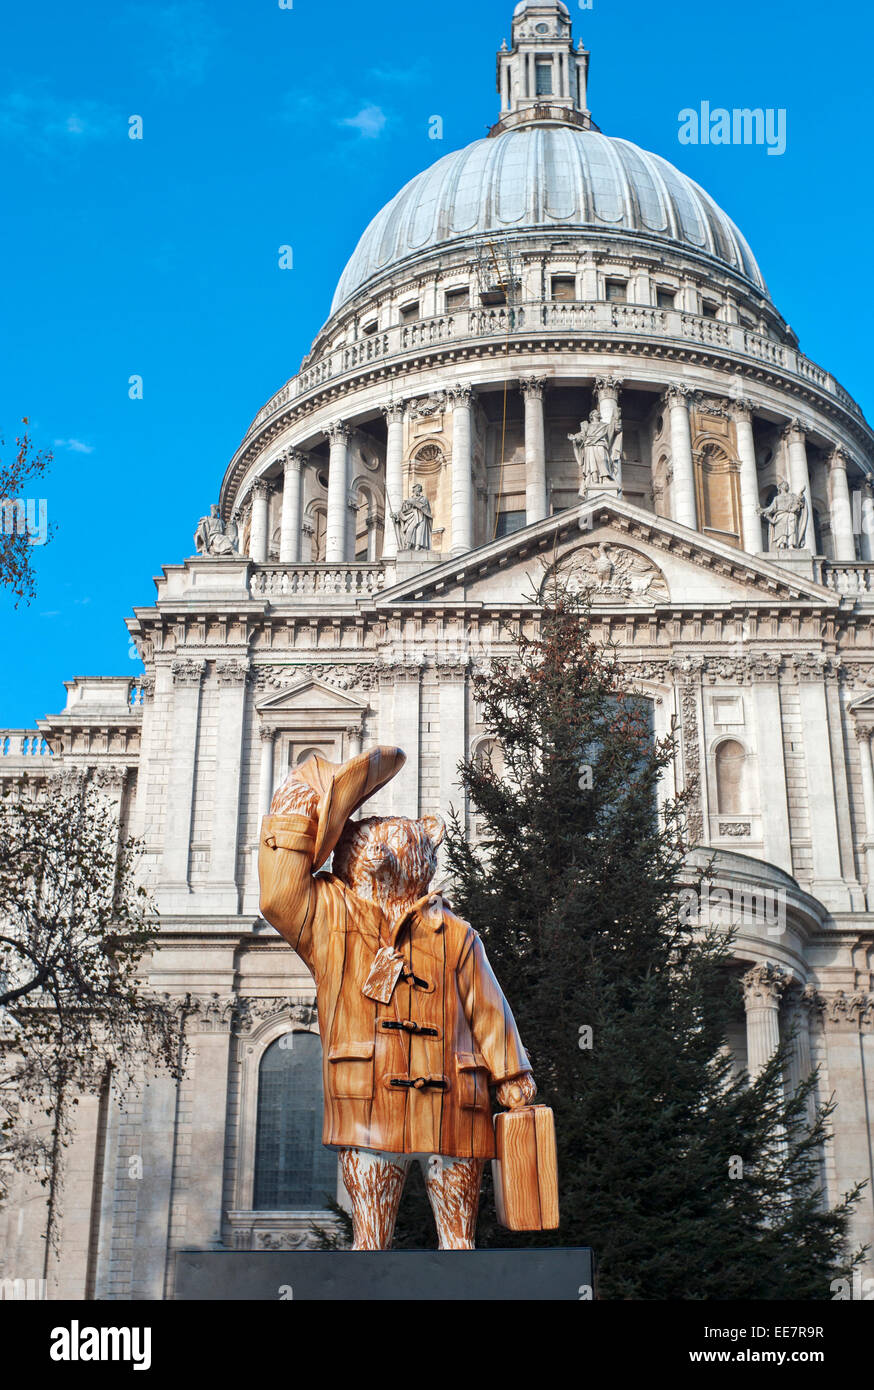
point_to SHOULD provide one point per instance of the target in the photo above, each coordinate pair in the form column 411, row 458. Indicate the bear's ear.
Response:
column 435, row 829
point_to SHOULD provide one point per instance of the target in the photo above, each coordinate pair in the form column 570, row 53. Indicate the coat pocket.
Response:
column 351, row 1070
column 472, row 1078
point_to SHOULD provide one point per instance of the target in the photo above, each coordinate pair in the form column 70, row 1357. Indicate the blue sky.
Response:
column 266, row 126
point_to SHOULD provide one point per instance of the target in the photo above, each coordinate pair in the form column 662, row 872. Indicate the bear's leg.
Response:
column 453, row 1190
column 374, row 1182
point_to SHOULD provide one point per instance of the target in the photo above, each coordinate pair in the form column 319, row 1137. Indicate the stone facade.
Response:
column 322, row 635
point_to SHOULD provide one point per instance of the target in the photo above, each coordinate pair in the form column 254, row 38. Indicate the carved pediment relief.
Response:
column 648, row 560
column 610, row 574
column 309, row 695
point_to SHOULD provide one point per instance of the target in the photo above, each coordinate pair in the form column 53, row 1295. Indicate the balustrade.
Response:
column 854, row 580
column 560, row 316
column 317, row 581
column 23, row 743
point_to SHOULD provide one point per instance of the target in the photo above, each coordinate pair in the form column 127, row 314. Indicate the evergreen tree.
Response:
column 688, row 1180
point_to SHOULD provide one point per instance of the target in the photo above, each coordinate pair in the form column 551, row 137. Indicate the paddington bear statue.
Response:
column 413, row 1023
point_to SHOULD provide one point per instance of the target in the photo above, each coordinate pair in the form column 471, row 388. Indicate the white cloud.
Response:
column 370, row 122
column 48, row 121
column 74, row 446
column 406, row 75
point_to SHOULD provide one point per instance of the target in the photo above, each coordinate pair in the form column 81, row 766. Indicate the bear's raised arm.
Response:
column 285, row 868
column 285, row 864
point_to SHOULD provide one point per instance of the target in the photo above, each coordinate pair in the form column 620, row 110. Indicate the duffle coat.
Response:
column 410, row 1074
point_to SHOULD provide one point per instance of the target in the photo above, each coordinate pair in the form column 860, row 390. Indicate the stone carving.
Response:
column 737, row 830
column 598, row 451
column 533, row 386
column 646, row 670
column 111, row 779
column 764, row 984
column 214, row 1013
column 809, row 666
column 283, row 1240
column 850, row 1010
column 187, row 672
column 710, row 405
column 614, row 574
column 786, row 517
column 691, row 746
column 251, row 1012
column 338, row 433
column 427, row 406
column 361, row 675
column 429, row 458
column 212, row 537
column 232, row 673
column 415, row 521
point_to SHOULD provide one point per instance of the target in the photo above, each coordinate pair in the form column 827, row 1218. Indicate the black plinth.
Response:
column 563, row 1274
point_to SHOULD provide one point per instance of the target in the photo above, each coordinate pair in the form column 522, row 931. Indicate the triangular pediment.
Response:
column 624, row 556
column 309, row 695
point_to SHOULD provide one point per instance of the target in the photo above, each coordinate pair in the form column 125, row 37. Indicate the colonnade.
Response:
column 461, row 400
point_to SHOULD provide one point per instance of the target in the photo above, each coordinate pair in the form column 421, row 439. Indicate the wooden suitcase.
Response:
column 525, row 1170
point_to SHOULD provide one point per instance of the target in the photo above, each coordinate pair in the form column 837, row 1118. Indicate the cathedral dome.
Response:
column 544, row 177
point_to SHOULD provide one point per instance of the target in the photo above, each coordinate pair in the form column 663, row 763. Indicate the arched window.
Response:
column 488, row 750
column 730, row 778
column 293, row 1170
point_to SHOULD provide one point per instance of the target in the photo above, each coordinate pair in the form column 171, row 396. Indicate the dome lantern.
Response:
column 542, row 78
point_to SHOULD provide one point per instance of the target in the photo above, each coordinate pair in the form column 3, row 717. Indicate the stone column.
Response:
column 749, row 477
column 795, row 435
column 265, row 773
column 203, row 1163
column 407, row 724
column 259, row 534
column 866, row 767
column 684, row 507
column 338, row 493
column 289, row 543
column 763, row 987
column 607, row 390
column 642, row 283
column 536, row 504
column 452, row 696
column 867, row 522
column 589, row 288
column 462, row 469
column 841, row 508
column 764, row 670
column 801, row 1005
column 394, row 474
column 354, row 740
column 111, row 782
column 187, row 676
column 233, row 678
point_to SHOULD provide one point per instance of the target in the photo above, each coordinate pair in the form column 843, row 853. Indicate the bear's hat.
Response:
column 343, row 788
